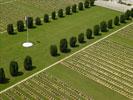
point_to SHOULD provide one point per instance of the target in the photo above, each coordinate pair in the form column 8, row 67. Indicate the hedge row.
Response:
column 97, row 29
column 60, row 13
column 14, row 68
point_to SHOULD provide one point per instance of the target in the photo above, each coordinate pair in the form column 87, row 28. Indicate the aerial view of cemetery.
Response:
column 66, row 49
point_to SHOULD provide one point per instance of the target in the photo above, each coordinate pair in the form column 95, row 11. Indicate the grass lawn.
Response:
column 97, row 91
column 47, row 34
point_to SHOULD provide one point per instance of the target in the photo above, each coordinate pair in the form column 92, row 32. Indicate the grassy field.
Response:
column 18, row 9
column 108, row 63
column 48, row 34
column 92, row 74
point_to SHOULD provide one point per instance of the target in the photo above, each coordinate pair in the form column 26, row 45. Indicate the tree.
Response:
column 81, row 38
column 53, row 50
column 116, row 20
column 132, row 12
column 38, row 21
column 46, row 18
column 28, row 63
column 63, row 45
column 60, row 13
column 74, row 8
column 68, row 10
column 53, row 15
column 2, row 75
column 86, row 4
column 20, row 26
column 10, row 29
column 89, row 33
column 80, row 6
column 29, row 22
column 73, row 41
column 127, row 14
column 122, row 18
column 92, row 2
column 13, row 68
column 103, row 26
column 96, row 30
column 110, row 22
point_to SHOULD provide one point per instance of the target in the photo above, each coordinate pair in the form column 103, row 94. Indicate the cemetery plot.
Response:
column 44, row 86
column 109, row 62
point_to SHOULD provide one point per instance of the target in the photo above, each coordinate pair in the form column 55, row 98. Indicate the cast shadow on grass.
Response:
column 5, row 81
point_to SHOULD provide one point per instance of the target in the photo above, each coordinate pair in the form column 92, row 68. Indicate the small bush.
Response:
column 29, row 22
column 74, row 8
column 10, row 29
column 46, row 18
column 110, row 24
column 116, row 21
column 68, row 10
column 20, row 26
column 96, row 30
column 38, row 21
column 2, row 75
column 73, row 41
column 103, row 26
column 89, row 33
column 53, row 15
column 80, row 6
column 13, row 68
column 28, row 63
column 53, row 50
column 86, row 3
column 81, row 38
column 60, row 13
column 63, row 45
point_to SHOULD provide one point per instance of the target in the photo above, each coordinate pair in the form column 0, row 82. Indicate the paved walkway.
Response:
column 113, row 5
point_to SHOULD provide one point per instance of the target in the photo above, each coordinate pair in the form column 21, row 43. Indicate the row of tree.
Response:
column 68, row 11
column 97, row 29
column 14, row 68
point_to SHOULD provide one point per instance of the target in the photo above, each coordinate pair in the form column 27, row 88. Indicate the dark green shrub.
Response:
column 92, row 2
column 81, row 38
column 110, row 24
column 87, row 3
column 53, row 50
column 38, row 21
column 53, row 15
column 28, row 63
column 13, row 68
column 74, row 8
column 2, row 75
column 60, row 13
column 89, row 33
column 96, row 30
column 80, row 6
column 68, row 10
column 116, row 21
column 103, row 26
column 63, row 45
column 73, row 41
column 46, row 18
column 20, row 26
column 122, row 19
column 10, row 29
column 29, row 22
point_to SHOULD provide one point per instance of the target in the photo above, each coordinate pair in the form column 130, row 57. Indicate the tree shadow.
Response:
column 5, row 81
column 20, row 73
column 82, row 42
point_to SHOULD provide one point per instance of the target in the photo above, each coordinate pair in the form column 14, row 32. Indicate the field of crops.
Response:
column 46, row 87
column 20, row 8
column 109, row 62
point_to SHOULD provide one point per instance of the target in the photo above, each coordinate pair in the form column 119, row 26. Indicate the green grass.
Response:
column 97, row 91
column 48, row 34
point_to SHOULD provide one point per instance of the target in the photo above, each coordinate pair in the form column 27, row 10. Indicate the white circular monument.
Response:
column 27, row 44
